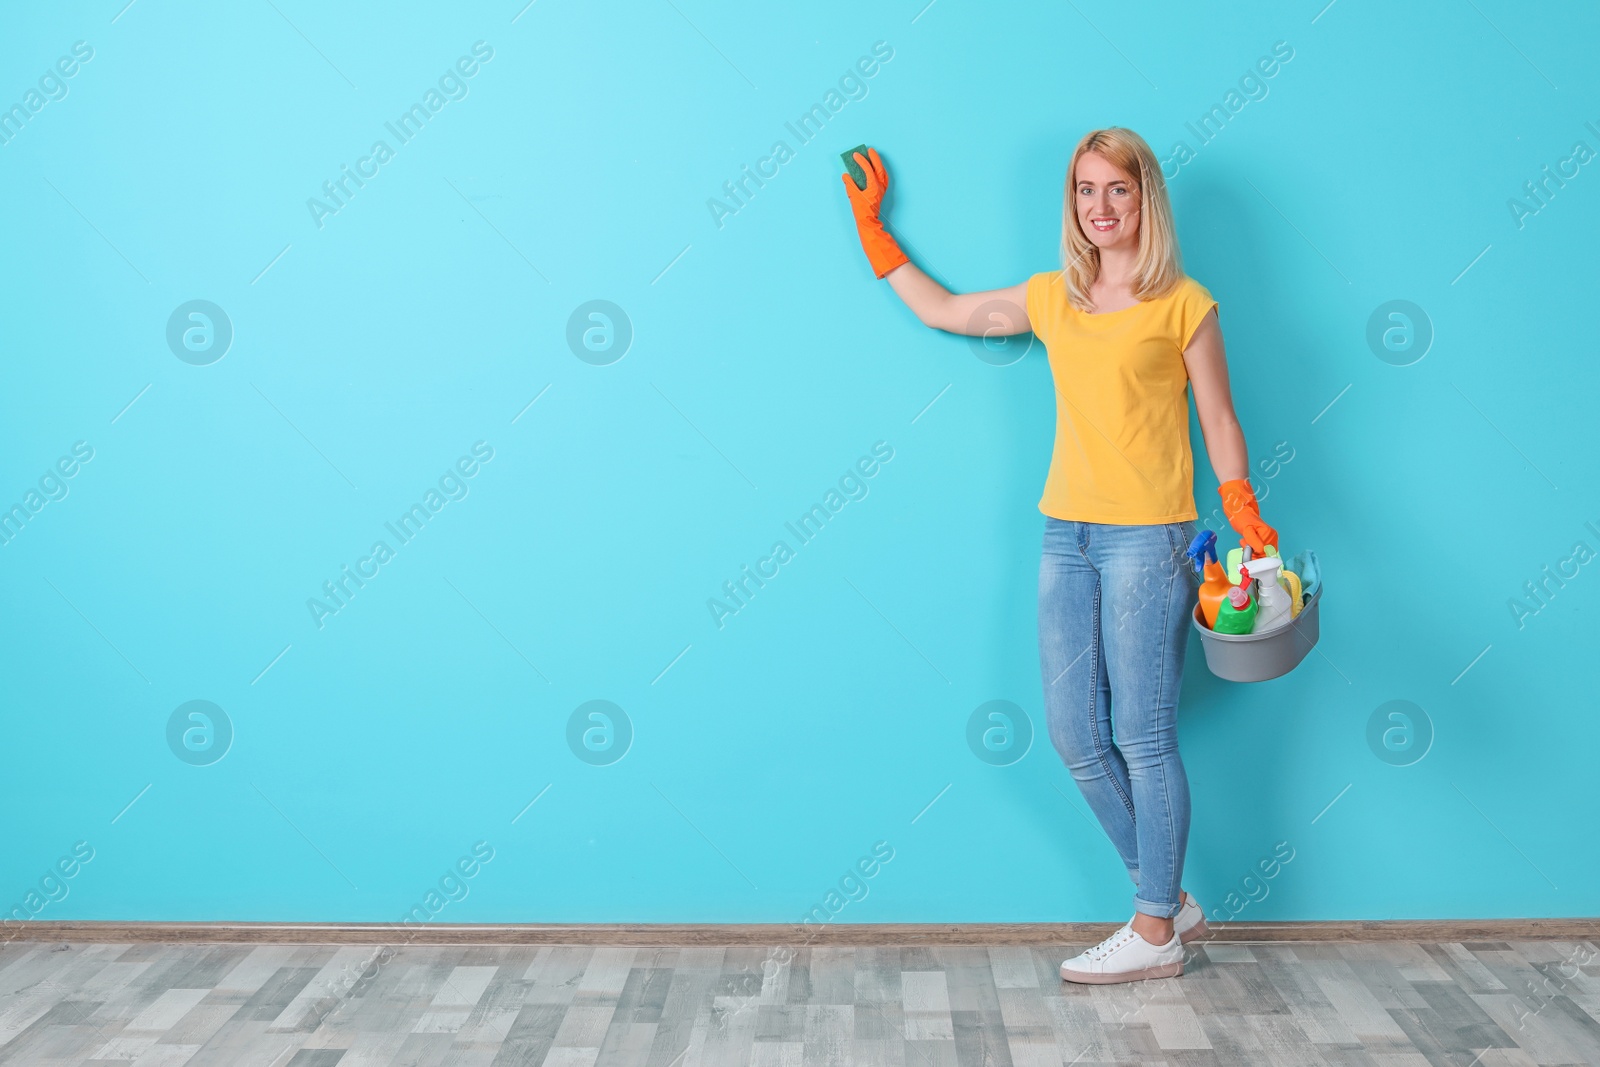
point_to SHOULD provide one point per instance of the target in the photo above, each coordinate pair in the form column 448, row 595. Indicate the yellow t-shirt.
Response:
column 1122, row 404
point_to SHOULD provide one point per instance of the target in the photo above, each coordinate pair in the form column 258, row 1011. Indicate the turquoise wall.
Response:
column 586, row 485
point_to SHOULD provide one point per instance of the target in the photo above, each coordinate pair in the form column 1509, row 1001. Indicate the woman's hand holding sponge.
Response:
column 882, row 251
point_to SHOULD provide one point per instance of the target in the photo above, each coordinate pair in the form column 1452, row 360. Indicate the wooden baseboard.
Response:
column 1428, row 930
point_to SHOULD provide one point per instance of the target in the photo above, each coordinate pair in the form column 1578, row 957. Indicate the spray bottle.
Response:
column 1203, row 555
column 1272, row 599
column 1237, row 612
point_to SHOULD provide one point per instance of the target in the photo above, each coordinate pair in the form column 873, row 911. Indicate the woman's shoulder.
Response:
column 1189, row 289
column 1046, row 279
column 1046, row 295
column 1191, row 303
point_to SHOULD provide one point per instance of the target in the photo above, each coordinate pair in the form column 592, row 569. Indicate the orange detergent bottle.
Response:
column 1214, row 585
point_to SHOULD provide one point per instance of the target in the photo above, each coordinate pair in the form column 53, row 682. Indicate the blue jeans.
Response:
column 1114, row 607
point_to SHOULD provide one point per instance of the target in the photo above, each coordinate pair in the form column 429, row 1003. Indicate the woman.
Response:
column 1128, row 334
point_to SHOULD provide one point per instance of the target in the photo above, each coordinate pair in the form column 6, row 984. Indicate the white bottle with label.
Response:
column 1275, row 609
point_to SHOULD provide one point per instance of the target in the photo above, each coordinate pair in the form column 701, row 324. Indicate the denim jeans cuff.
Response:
column 1160, row 911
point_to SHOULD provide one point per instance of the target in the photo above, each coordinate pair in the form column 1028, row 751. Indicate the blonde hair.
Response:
column 1159, row 266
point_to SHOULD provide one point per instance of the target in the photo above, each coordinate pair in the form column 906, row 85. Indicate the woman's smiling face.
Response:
column 1107, row 201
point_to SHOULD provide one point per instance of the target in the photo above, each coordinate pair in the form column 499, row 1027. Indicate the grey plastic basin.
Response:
column 1258, row 657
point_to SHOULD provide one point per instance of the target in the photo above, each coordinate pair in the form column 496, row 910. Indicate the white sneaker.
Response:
column 1191, row 921
column 1125, row 957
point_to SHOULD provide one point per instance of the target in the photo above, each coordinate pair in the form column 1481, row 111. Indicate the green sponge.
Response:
column 857, row 175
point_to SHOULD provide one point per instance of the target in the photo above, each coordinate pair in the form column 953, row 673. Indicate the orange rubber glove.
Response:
column 882, row 252
column 1244, row 514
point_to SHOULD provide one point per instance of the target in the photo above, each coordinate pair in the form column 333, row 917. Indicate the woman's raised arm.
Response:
column 991, row 313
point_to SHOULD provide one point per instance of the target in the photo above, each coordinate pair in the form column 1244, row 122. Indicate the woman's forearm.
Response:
column 926, row 298
column 1213, row 401
column 1225, row 445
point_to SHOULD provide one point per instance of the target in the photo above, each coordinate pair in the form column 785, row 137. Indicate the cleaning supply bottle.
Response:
column 1237, row 612
column 1241, row 555
column 1271, row 598
column 1203, row 554
column 1290, row 582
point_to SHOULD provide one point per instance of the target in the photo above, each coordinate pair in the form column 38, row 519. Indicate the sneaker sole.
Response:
column 1165, row 970
column 1199, row 929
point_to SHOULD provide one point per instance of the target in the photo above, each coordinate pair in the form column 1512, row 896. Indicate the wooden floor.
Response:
column 1482, row 1004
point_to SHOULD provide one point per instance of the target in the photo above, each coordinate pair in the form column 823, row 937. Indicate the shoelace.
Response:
column 1111, row 944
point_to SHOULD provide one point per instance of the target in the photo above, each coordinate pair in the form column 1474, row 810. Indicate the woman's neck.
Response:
column 1117, row 267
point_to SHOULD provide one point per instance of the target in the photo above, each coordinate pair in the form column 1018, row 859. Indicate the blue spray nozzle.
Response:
column 1202, row 549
